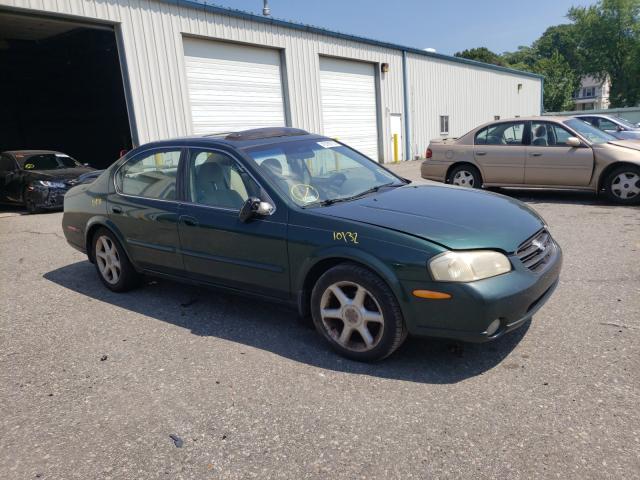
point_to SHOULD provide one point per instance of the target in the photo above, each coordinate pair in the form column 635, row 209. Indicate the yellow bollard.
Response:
column 395, row 148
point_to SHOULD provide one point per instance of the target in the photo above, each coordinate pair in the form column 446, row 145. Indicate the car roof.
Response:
column 25, row 153
column 603, row 115
column 240, row 139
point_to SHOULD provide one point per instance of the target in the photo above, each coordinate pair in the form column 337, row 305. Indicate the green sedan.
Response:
column 298, row 218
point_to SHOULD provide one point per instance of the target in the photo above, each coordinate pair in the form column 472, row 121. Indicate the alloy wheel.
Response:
column 108, row 260
column 626, row 185
column 352, row 316
column 463, row 178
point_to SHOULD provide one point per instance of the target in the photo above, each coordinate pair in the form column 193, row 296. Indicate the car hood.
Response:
column 633, row 144
column 61, row 174
column 457, row 218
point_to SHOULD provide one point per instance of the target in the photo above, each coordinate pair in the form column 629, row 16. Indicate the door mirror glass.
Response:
column 574, row 142
column 254, row 207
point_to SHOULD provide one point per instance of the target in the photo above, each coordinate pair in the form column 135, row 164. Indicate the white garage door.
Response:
column 233, row 87
column 349, row 110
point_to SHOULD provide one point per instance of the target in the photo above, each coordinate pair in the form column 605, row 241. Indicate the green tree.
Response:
column 563, row 39
column 608, row 36
column 481, row 54
column 522, row 59
column 559, row 82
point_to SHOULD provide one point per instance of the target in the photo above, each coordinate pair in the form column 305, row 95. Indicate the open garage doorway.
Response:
column 61, row 89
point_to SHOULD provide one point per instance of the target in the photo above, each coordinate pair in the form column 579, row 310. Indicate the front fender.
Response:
column 349, row 254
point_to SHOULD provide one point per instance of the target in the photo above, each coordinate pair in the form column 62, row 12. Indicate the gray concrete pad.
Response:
column 93, row 383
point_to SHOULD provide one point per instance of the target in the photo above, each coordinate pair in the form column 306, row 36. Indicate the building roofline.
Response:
column 230, row 12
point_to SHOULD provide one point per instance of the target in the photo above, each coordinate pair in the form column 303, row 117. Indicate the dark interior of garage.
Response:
column 61, row 89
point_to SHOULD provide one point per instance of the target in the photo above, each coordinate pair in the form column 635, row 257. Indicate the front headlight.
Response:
column 47, row 183
column 468, row 266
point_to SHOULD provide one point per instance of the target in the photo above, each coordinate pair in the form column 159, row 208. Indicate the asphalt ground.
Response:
column 93, row 383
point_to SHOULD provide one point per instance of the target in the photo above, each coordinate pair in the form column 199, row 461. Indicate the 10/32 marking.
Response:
column 346, row 237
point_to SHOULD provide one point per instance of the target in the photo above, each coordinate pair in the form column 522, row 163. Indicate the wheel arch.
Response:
column 606, row 171
column 103, row 222
column 315, row 268
column 447, row 176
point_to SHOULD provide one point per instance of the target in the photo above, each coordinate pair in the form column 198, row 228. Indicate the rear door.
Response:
column 550, row 161
column 145, row 209
column 500, row 152
column 216, row 246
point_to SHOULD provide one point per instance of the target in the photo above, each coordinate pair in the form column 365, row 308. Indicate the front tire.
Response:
column 465, row 176
column 357, row 313
column 30, row 203
column 622, row 185
column 112, row 264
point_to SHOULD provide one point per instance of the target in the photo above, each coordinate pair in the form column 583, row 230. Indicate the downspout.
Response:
column 542, row 96
column 407, row 123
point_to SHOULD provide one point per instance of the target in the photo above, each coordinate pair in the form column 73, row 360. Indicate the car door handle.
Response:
column 117, row 210
column 481, row 153
column 535, row 154
column 189, row 220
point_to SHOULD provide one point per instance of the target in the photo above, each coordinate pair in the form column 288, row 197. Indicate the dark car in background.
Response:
column 38, row 179
column 305, row 220
column 619, row 127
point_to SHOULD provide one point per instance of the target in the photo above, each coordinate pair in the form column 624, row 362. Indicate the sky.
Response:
column 448, row 26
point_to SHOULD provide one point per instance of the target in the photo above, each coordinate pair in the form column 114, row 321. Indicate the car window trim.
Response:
column 187, row 171
column 165, row 148
column 522, row 144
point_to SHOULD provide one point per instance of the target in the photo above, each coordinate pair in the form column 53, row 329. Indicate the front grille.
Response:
column 536, row 252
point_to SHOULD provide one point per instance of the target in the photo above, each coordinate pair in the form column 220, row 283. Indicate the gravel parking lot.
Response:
column 93, row 383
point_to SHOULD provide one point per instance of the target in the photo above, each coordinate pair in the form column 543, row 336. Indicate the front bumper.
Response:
column 513, row 298
column 46, row 198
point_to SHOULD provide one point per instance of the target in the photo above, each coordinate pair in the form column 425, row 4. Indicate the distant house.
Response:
column 593, row 94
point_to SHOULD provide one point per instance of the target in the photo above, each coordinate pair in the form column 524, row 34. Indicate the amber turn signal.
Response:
column 431, row 295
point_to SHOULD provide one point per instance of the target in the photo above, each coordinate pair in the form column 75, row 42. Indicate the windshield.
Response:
column 626, row 123
column 589, row 132
column 48, row 161
column 320, row 171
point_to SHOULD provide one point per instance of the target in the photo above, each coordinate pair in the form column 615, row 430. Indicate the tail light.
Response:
column 429, row 153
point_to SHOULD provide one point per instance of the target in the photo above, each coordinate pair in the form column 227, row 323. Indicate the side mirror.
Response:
column 254, row 207
column 574, row 142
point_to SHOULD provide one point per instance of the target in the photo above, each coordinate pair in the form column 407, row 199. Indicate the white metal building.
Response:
column 188, row 68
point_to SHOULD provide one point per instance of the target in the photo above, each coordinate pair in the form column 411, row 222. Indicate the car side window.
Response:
column 6, row 164
column 510, row 133
column 218, row 180
column 607, row 124
column 151, row 175
column 549, row 135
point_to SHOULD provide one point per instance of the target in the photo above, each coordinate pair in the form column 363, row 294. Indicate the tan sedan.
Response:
column 539, row 152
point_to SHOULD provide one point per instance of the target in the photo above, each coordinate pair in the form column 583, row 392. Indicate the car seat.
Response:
column 541, row 136
column 212, row 188
column 272, row 165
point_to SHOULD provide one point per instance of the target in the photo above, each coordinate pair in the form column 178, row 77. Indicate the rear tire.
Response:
column 357, row 313
column 465, row 176
column 112, row 264
column 622, row 185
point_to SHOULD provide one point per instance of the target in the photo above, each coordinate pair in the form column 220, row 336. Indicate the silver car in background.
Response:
column 617, row 126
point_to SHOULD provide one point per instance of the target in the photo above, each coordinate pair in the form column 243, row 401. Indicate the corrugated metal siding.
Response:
column 469, row 96
column 152, row 36
column 233, row 87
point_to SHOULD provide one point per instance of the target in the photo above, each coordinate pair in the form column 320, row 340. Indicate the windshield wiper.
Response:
column 331, row 201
